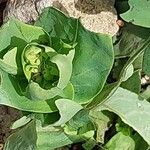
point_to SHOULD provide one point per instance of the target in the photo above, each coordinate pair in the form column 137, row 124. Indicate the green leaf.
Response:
column 120, row 142
column 146, row 62
column 128, row 131
column 133, row 84
column 15, row 31
column 138, row 62
column 106, row 92
column 68, row 92
column 67, row 110
column 90, row 68
column 109, row 89
column 10, row 97
column 131, row 110
column 139, row 142
column 49, row 138
column 47, row 118
column 138, row 13
column 127, row 137
column 146, row 93
column 122, row 127
column 90, row 144
column 17, row 34
column 59, row 137
column 31, row 59
column 57, row 25
column 81, row 123
column 38, row 93
column 21, row 122
column 102, row 121
column 8, row 63
column 124, row 46
column 63, row 62
column 128, row 73
column 122, row 6
column 23, row 139
column 133, row 58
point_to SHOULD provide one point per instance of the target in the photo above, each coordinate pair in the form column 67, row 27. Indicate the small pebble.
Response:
column 120, row 23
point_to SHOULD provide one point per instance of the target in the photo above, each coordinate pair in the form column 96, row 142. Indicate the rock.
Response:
column 23, row 10
column 96, row 15
column 3, row 1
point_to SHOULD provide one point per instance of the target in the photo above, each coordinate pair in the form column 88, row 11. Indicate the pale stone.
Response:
column 96, row 15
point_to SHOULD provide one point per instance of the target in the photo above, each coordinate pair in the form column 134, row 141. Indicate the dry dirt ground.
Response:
column 7, row 117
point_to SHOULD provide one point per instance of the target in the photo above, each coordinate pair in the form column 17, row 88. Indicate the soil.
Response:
column 7, row 115
column 2, row 6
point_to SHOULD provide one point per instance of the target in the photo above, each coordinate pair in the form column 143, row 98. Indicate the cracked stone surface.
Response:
column 95, row 15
